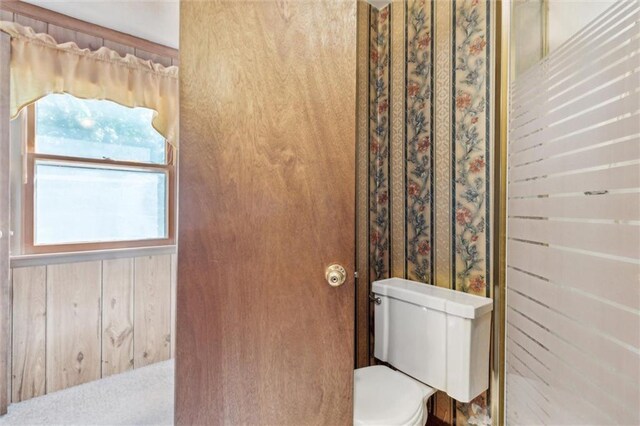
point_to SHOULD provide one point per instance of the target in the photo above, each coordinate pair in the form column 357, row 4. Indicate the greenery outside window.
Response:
column 99, row 176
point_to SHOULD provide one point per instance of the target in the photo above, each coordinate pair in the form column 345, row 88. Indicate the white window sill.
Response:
column 21, row 261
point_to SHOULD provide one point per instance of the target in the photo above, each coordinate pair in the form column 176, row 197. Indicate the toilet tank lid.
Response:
column 441, row 299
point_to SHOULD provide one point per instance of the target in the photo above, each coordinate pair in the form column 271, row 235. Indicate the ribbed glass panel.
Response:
column 573, row 230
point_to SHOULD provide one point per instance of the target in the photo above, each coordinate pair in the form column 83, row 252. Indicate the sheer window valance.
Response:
column 40, row 66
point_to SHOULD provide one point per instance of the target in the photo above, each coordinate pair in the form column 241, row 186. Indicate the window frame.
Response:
column 28, row 196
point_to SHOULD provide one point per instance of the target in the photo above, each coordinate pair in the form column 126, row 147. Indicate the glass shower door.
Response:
column 573, row 239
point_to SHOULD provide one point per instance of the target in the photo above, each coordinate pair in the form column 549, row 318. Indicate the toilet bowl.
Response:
column 382, row 396
column 436, row 338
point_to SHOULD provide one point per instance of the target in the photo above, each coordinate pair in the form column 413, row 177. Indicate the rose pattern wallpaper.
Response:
column 471, row 123
column 419, row 134
column 470, row 147
column 466, row 36
column 379, row 144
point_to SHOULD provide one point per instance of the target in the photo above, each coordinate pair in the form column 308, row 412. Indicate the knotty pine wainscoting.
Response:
column 72, row 323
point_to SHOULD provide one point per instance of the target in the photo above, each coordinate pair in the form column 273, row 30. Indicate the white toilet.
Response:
column 436, row 338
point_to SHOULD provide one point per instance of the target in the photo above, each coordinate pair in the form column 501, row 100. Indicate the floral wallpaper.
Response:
column 470, row 147
column 453, row 65
column 419, row 134
column 471, row 133
column 379, row 144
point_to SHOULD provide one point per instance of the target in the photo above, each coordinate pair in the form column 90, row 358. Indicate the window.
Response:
column 99, row 176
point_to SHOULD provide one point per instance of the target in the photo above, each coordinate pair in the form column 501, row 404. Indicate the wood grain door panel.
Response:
column 267, row 189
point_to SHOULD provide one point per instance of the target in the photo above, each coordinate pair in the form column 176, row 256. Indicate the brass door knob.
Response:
column 336, row 275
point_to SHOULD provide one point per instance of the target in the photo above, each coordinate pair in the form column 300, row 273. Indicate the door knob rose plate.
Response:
column 336, row 275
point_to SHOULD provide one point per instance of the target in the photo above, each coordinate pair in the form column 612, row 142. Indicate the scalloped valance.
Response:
column 40, row 66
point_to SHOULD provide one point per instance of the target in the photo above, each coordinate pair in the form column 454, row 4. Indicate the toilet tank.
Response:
column 438, row 336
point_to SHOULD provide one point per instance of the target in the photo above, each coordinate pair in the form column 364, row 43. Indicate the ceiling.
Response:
column 153, row 20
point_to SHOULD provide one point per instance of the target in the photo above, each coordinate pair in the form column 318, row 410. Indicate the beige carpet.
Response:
column 138, row 397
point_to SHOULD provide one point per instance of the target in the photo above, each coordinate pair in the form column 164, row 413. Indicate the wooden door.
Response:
column 267, row 189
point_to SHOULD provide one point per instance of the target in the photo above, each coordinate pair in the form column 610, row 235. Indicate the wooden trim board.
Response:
column 4, row 220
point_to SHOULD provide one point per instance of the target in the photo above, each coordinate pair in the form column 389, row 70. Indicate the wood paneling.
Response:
column 122, row 49
column 152, row 309
column 5, row 49
column 117, row 316
column 89, row 299
column 442, row 409
column 164, row 60
column 84, row 41
column 29, row 332
column 38, row 26
column 266, row 204
column 6, row 15
column 73, row 324
column 29, row 10
column 174, row 288
column 10, row 341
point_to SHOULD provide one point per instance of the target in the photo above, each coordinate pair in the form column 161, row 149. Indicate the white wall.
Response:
column 153, row 20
